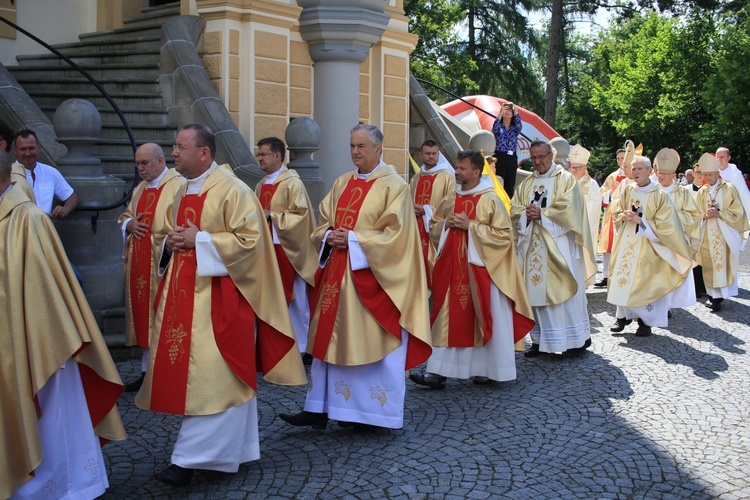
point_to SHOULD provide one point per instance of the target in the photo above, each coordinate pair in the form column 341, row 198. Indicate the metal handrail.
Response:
column 136, row 178
column 455, row 96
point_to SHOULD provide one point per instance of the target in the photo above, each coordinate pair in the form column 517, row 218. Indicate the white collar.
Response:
column 484, row 183
column 201, row 179
column 155, row 183
column 368, row 174
column 271, row 178
column 442, row 164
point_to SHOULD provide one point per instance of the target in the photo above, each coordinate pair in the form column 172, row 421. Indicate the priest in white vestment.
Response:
column 650, row 257
column 555, row 252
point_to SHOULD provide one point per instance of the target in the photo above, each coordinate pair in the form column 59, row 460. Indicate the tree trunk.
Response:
column 553, row 62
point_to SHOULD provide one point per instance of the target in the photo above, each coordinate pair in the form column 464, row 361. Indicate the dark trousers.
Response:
column 700, row 287
column 505, row 167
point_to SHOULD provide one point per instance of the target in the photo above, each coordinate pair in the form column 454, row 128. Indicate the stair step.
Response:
column 114, row 44
column 41, row 71
column 51, row 99
column 151, row 27
column 145, row 56
column 111, row 85
column 154, row 133
column 160, row 12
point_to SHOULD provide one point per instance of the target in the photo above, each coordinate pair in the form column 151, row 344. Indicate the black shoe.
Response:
column 714, row 304
column 576, row 351
column 307, row 359
column 643, row 329
column 358, row 426
column 175, row 475
column 601, row 284
column 434, row 382
column 620, row 325
column 317, row 421
column 479, row 380
column 532, row 351
column 135, row 385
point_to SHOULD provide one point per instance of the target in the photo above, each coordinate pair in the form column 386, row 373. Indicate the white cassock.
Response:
column 72, row 465
column 224, row 440
column 496, row 359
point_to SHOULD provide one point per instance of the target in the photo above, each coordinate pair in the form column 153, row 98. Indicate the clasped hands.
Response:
column 458, row 221
column 182, row 238
column 533, row 212
column 712, row 212
column 630, row 216
column 338, row 239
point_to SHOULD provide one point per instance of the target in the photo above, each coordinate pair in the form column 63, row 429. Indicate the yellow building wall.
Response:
column 262, row 69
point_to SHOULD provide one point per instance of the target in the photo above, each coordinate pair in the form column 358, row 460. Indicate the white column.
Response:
column 339, row 36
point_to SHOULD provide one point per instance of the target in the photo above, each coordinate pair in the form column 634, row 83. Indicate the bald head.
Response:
column 149, row 159
column 722, row 154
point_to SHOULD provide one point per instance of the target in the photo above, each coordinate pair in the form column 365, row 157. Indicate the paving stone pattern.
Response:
column 664, row 416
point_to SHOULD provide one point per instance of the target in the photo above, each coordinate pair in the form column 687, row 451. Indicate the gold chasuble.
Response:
column 719, row 247
column 45, row 321
column 18, row 178
column 141, row 279
column 461, row 290
column 690, row 217
column 643, row 270
column 606, row 235
column 204, row 345
column 548, row 278
column 290, row 213
column 357, row 316
column 429, row 188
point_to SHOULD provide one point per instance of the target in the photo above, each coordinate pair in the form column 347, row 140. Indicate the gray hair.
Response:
column 643, row 159
column 546, row 144
column 376, row 136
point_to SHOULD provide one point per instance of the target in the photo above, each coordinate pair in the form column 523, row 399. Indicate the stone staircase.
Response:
column 125, row 62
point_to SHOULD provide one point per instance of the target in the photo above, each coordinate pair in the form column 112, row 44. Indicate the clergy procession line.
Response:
column 223, row 283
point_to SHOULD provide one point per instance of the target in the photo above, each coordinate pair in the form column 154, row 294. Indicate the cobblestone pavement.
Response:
column 664, row 416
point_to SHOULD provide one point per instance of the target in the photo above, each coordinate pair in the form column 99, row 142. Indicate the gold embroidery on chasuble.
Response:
column 717, row 245
column 626, row 252
column 542, row 192
column 141, row 266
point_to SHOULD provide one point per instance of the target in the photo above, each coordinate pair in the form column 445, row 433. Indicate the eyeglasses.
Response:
column 577, row 168
column 144, row 163
column 265, row 154
column 539, row 158
column 179, row 148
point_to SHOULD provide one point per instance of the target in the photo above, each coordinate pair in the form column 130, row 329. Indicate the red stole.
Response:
column 452, row 283
column 232, row 319
column 288, row 273
column 326, row 294
column 140, row 268
column 422, row 197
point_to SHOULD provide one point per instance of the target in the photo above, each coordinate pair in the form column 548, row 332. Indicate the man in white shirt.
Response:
column 46, row 181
